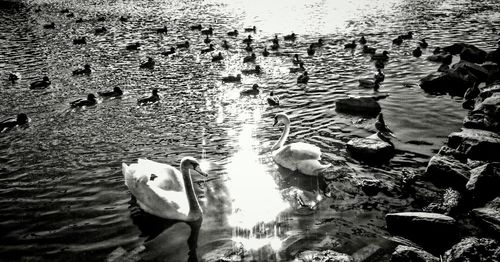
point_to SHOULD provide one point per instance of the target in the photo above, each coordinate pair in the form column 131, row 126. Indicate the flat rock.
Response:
column 474, row 249
column 366, row 106
column 322, row 256
column 489, row 215
column 476, row 144
column 446, row 171
column 370, row 149
column 484, row 183
column 412, row 254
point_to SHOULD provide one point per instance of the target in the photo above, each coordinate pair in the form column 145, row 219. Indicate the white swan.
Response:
column 296, row 156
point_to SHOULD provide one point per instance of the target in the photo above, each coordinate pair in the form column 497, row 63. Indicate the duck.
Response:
column 209, row 49
column 217, row 58
column 265, row 53
column 101, row 30
column 85, row 71
column 251, row 29
column 251, row 92
column 382, row 127
column 232, row 79
column 379, row 75
column 183, row 45
column 91, row 100
column 310, row 50
column 298, row 69
column 162, row 30
column 169, row 52
column 79, row 20
column 248, row 48
column 299, row 156
column 423, row 43
column 370, row 83
column 369, row 50
column 150, row 100
column 123, row 19
column 195, row 27
column 362, row 40
column 207, row 40
column 303, row 79
column 296, row 60
column 40, row 84
column 275, row 46
column 21, row 120
column 273, row 100
column 13, row 77
column 275, row 40
column 233, row 33
column 69, row 15
column 320, row 43
column 101, row 19
column 351, row 45
column 290, row 37
column 397, row 41
column 408, row 35
column 417, row 52
column 49, row 26
column 249, row 59
column 257, row 70
column 133, row 46
column 150, row 64
column 384, row 56
column 115, row 93
column 438, row 50
column 248, row 39
column 379, row 64
column 80, row 41
column 225, row 45
column 208, row 31
column 164, row 191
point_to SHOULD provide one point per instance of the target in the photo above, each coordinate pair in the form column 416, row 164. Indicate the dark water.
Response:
column 62, row 195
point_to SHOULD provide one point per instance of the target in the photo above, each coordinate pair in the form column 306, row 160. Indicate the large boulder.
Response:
column 473, row 54
column 435, row 232
column 493, row 56
column 474, row 249
column 476, row 144
column 484, row 183
column 412, row 254
column 370, row 149
column 446, row 171
column 452, row 82
column 365, row 106
column 319, row 256
column 489, row 215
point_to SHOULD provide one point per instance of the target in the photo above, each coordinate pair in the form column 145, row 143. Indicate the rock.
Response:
column 447, row 205
column 370, row 252
column 479, row 120
column 474, row 249
column 365, row 106
column 452, row 82
column 493, row 56
column 473, row 54
column 446, row 171
column 447, row 151
column 322, row 256
column 489, row 215
column 484, row 183
column 301, row 199
column 229, row 252
column 372, row 187
column 440, row 58
column 476, row 144
column 467, row 71
column 370, row 149
column 435, row 232
column 412, row 254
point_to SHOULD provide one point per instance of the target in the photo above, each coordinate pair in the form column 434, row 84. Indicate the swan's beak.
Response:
column 198, row 169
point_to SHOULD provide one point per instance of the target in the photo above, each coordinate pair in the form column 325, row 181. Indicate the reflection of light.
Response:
column 253, row 243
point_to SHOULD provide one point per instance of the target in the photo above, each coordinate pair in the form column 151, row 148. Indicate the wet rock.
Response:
column 489, row 215
column 412, row 254
column 467, row 71
column 370, row 252
column 447, row 205
column 365, row 106
column 322, row 256
column 435, row 232
column 479, row 120
column 440, row 58
column 493, row 56
column 301, row 199
column 473, row 54
column 446, row 171
column 229, row 252
column 448, row 151
column 120, row 254
column 372, row 187
column 484, row 183
column 452, row 82
column 474, row 249
column 476, row 144
column 370, row 149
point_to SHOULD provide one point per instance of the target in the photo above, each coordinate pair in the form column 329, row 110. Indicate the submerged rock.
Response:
column 484, row 183
column 370, row 149
column 366, row 106
column 322, row 256
column 489, row 215
column 446, row 171
column 476, row 144
column 474, row 249
column 412, row 254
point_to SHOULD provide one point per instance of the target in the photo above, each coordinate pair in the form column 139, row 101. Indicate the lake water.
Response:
column 62, row 193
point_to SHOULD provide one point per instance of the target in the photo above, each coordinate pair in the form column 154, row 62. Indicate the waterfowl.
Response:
column 275, row 39
column 85, row 71
column 397, row 41
column 162, row 30
column 195, row 27
column 423, row 43
column 379, row 76
column 251, row 92
column 296, row 60
column 115, row 93
column 417, row 52
column 362, row 40
column 384, row 56
column 302, row 157
column 298, row 69
column 225, row 45
column 248, row 48
column 303, row 79
column 275, row 46
column 382, row 127
column 79, row 20
column 437, row 50
column 207, row 40
column 445, row 68
column 408, row 35
column 249, row 59
column 351, row 45
column 248, row 39
column 183, row 45
column 233, row 33
column 369, row 83
column 265, row 53
column 290, row 37
column 209, row 49
column 310, row 50
column 64, row 11
column 232, row 79
column 169, row 52
column 70, row 15
column 251, row 29
column 369, row 50
column 257, row 70
column 123, row 19
column 44, row 83
column 318, row 44
column 49, row 26
column 133, row 46
column 217, row 58
column 150, row 64
column 20, row 120
column 165, row 192
column 101, row 19
column 13, row 77
column 101, row 30
column 379, row 64
column 80, row 41
column 81, row 103
column 273, row 100
column 150, row 100
column 208, row 31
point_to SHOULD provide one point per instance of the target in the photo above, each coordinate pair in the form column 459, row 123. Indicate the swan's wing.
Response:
column 162, row 203
column 166, row 176
column 303, row 151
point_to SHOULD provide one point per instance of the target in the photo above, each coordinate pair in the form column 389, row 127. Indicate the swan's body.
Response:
column 299, row 156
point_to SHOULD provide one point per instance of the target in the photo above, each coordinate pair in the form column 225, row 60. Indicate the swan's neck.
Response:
column 284, row 136
column 194, row 205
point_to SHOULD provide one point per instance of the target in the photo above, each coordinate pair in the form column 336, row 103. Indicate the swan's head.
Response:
column 281, row 118
column 192, row 163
